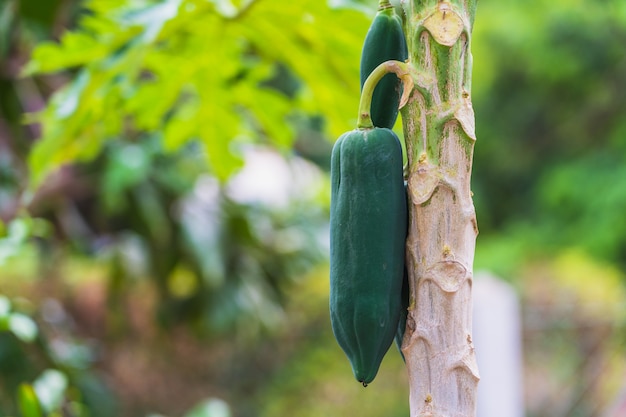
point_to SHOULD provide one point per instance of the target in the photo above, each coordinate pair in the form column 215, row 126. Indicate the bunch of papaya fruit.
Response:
column 368, row 216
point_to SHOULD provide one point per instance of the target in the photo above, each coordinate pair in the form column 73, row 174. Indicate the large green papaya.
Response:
column 384, row 41
column 368, row 224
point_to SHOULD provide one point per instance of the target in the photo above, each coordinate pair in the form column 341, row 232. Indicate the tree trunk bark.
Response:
column 438, row 123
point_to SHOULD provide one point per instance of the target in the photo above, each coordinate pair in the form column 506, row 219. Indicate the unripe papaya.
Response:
column 384, row 41
column 368, row 224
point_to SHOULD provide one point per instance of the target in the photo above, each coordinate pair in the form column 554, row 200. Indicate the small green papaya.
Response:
column 384, row 41
column 368, row 224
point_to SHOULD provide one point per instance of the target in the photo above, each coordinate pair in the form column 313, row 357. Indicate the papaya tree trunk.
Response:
column 438, row 123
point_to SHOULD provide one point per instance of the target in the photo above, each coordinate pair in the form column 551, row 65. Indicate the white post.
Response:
column 498, row 343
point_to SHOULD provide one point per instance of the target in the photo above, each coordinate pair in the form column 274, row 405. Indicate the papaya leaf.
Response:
column 197, row 70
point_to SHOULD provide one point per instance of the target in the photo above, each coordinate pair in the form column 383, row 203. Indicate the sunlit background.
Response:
column 164, row 203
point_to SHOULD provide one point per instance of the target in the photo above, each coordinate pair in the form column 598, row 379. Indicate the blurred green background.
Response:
column 164, row 203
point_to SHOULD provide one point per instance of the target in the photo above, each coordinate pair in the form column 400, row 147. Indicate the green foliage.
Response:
column 549, row 161
column 17, row 323
column 196, row 70
column 156, row 90
column 50, row 387
column 16, row 236
column 585, row 198
column 219, row 263
column 58, row 382
column 28, row 402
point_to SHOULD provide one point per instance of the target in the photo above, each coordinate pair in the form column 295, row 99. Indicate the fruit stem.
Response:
column 384, row 4
column 401, row 69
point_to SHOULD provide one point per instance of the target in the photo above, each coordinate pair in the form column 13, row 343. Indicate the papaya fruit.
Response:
column 384, row 41
column 368, row 223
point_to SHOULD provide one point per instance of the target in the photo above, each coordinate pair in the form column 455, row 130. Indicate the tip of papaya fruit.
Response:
column 364, row 384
